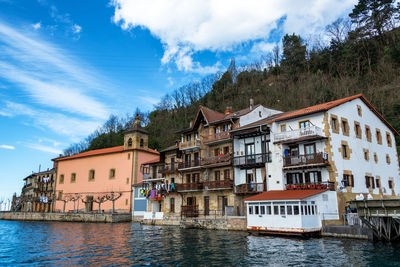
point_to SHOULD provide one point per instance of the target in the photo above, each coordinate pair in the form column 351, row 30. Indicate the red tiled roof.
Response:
column 285, row 194
column 151, row 161
column 102, row 151
column 211, row 115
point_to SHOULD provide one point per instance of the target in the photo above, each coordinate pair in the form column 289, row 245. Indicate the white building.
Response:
column 344, row 146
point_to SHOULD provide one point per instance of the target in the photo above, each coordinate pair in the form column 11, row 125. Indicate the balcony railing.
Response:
column 189, row 164
column 250, row 188
column 189, row 187
column 323, row 185
column 216, row 159
column 252, row 160
column 216, row 137
column 299, row 133
column 195, row 143
column 151, row 176
column 301, row 160
column 213, row 185
column 190, row 211
column 168, row 167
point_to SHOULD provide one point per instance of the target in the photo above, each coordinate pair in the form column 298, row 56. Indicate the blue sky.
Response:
column 65, row 66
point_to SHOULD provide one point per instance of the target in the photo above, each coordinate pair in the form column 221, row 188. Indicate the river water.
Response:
column 59, row 243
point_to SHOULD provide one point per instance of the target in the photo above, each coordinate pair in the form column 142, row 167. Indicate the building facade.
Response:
column 44, row 191
column 103, row 179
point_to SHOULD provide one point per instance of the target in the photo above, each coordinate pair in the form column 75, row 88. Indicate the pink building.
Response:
column 103, row 175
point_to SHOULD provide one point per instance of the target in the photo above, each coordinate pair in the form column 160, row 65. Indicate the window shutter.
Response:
column 319, row 177
column 301, row 178
column 352, row 180
column 307, row 177
column 367, row 181
column 372, row 182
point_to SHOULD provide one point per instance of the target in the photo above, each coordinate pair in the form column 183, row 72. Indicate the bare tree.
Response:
column 339, row 29
column 100, row 199
column 113, row 196
column 75, row 198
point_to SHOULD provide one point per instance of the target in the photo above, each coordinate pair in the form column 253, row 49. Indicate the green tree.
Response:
column 294, row 54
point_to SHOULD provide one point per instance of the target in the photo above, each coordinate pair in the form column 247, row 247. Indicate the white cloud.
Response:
column 76, row 28
column 186, row 27
column 7, row 147
column 44, row 148
column 37, row 26
column 50, row 75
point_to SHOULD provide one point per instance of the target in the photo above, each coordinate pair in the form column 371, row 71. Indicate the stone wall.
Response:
column 66, row 217
column 347, row 231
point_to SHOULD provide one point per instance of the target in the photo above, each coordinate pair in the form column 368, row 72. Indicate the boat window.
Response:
column 309, row 210
column 262, row 209
column 296, row 210
column 312, row 210
column 282, row 209
column 250, row 210
column 316, row 212
column 276, row 210
column 268, row 210
column 305, row 210
column 256, row 210
column 289, row 210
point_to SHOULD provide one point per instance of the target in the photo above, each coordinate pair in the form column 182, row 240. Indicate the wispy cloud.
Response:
column 37, row 26
column 44, row 148
column 7, row 147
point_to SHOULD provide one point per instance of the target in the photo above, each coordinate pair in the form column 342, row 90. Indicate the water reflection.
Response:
column 50, row 243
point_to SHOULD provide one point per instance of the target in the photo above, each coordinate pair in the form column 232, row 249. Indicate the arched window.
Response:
column 141, row 142
column 130, row 142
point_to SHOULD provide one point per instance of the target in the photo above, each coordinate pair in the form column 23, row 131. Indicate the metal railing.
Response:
column 250, row 188
column 223, row 184
column 151, row 176
column 252, row 160
column 216, row 159
column 306, row 186
column 168, row 167
column 190, row 211
column 189, row 144
column 303, row 132
column 216, row 137
column 189, row 164
column 316, row 158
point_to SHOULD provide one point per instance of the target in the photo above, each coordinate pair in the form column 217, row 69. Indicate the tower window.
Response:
column 141, row 142
column 129, row 142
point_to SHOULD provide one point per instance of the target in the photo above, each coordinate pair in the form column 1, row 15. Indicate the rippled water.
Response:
column 57, row 243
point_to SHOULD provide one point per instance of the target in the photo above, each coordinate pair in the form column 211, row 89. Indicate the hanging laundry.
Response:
column 153, row 194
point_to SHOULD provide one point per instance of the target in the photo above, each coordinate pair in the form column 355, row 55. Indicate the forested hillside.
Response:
column 362, row 56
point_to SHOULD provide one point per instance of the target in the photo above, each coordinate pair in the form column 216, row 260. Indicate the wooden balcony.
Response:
column 323, row 185
column 216, row 137
column 252, row 161
column 251, row 188
column 189, row 164
column 218, row 185
column 193, row 144
column 189, row 187
column 304, row 160
column 312, row 132
column 190, row 211
column 216, row 159
column 168, row 168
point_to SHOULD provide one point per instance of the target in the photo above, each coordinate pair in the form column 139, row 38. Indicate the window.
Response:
column 309, row 149
column 276, row 210
column 378, row 183
column 366, row 154
column 129, row 142
column 282, row 210
column 141, row 143
column 312, row 210
column 268, row 210
column 283, row 128
column 345, row 127
column 378, row 136
column 359, row 110
column 296, row 210
column 304, row 124
column 387, row 159
column 388, row 139
column 217, row 175
column 345, row 151
column 227, row 174
column 112, row 174
column 60, row 195
column 61, row 180
column 256, row 210
column 172, row 205
column 375, row 157
column 127, row 180
column 313, row 177
column 250, row 209
column 348, row 180
column 196, row 135
column 368, row 133
column 216, row 152
column 91, row 175
column 369, row 182
column 390, row 184
column 226, row 150
column 289, row 210
column 334, row 124
column 73, row 177
column 294, row 178
column 262, row 210
column 357, row 130
column 188, row 138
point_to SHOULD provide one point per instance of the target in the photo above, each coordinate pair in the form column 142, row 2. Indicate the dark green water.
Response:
column 52, row 243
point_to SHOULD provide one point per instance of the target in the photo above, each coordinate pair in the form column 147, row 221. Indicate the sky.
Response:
column 66, row 66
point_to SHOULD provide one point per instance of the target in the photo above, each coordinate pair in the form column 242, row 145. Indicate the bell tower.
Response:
column 136, row 136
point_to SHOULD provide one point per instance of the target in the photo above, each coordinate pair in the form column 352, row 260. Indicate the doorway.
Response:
column 89, row 204
column 206, row 205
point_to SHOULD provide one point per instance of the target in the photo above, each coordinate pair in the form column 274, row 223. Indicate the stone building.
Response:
column 44, row 191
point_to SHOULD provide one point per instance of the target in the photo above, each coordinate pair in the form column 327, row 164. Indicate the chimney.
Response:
column 251, row 103
column 228, row 110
